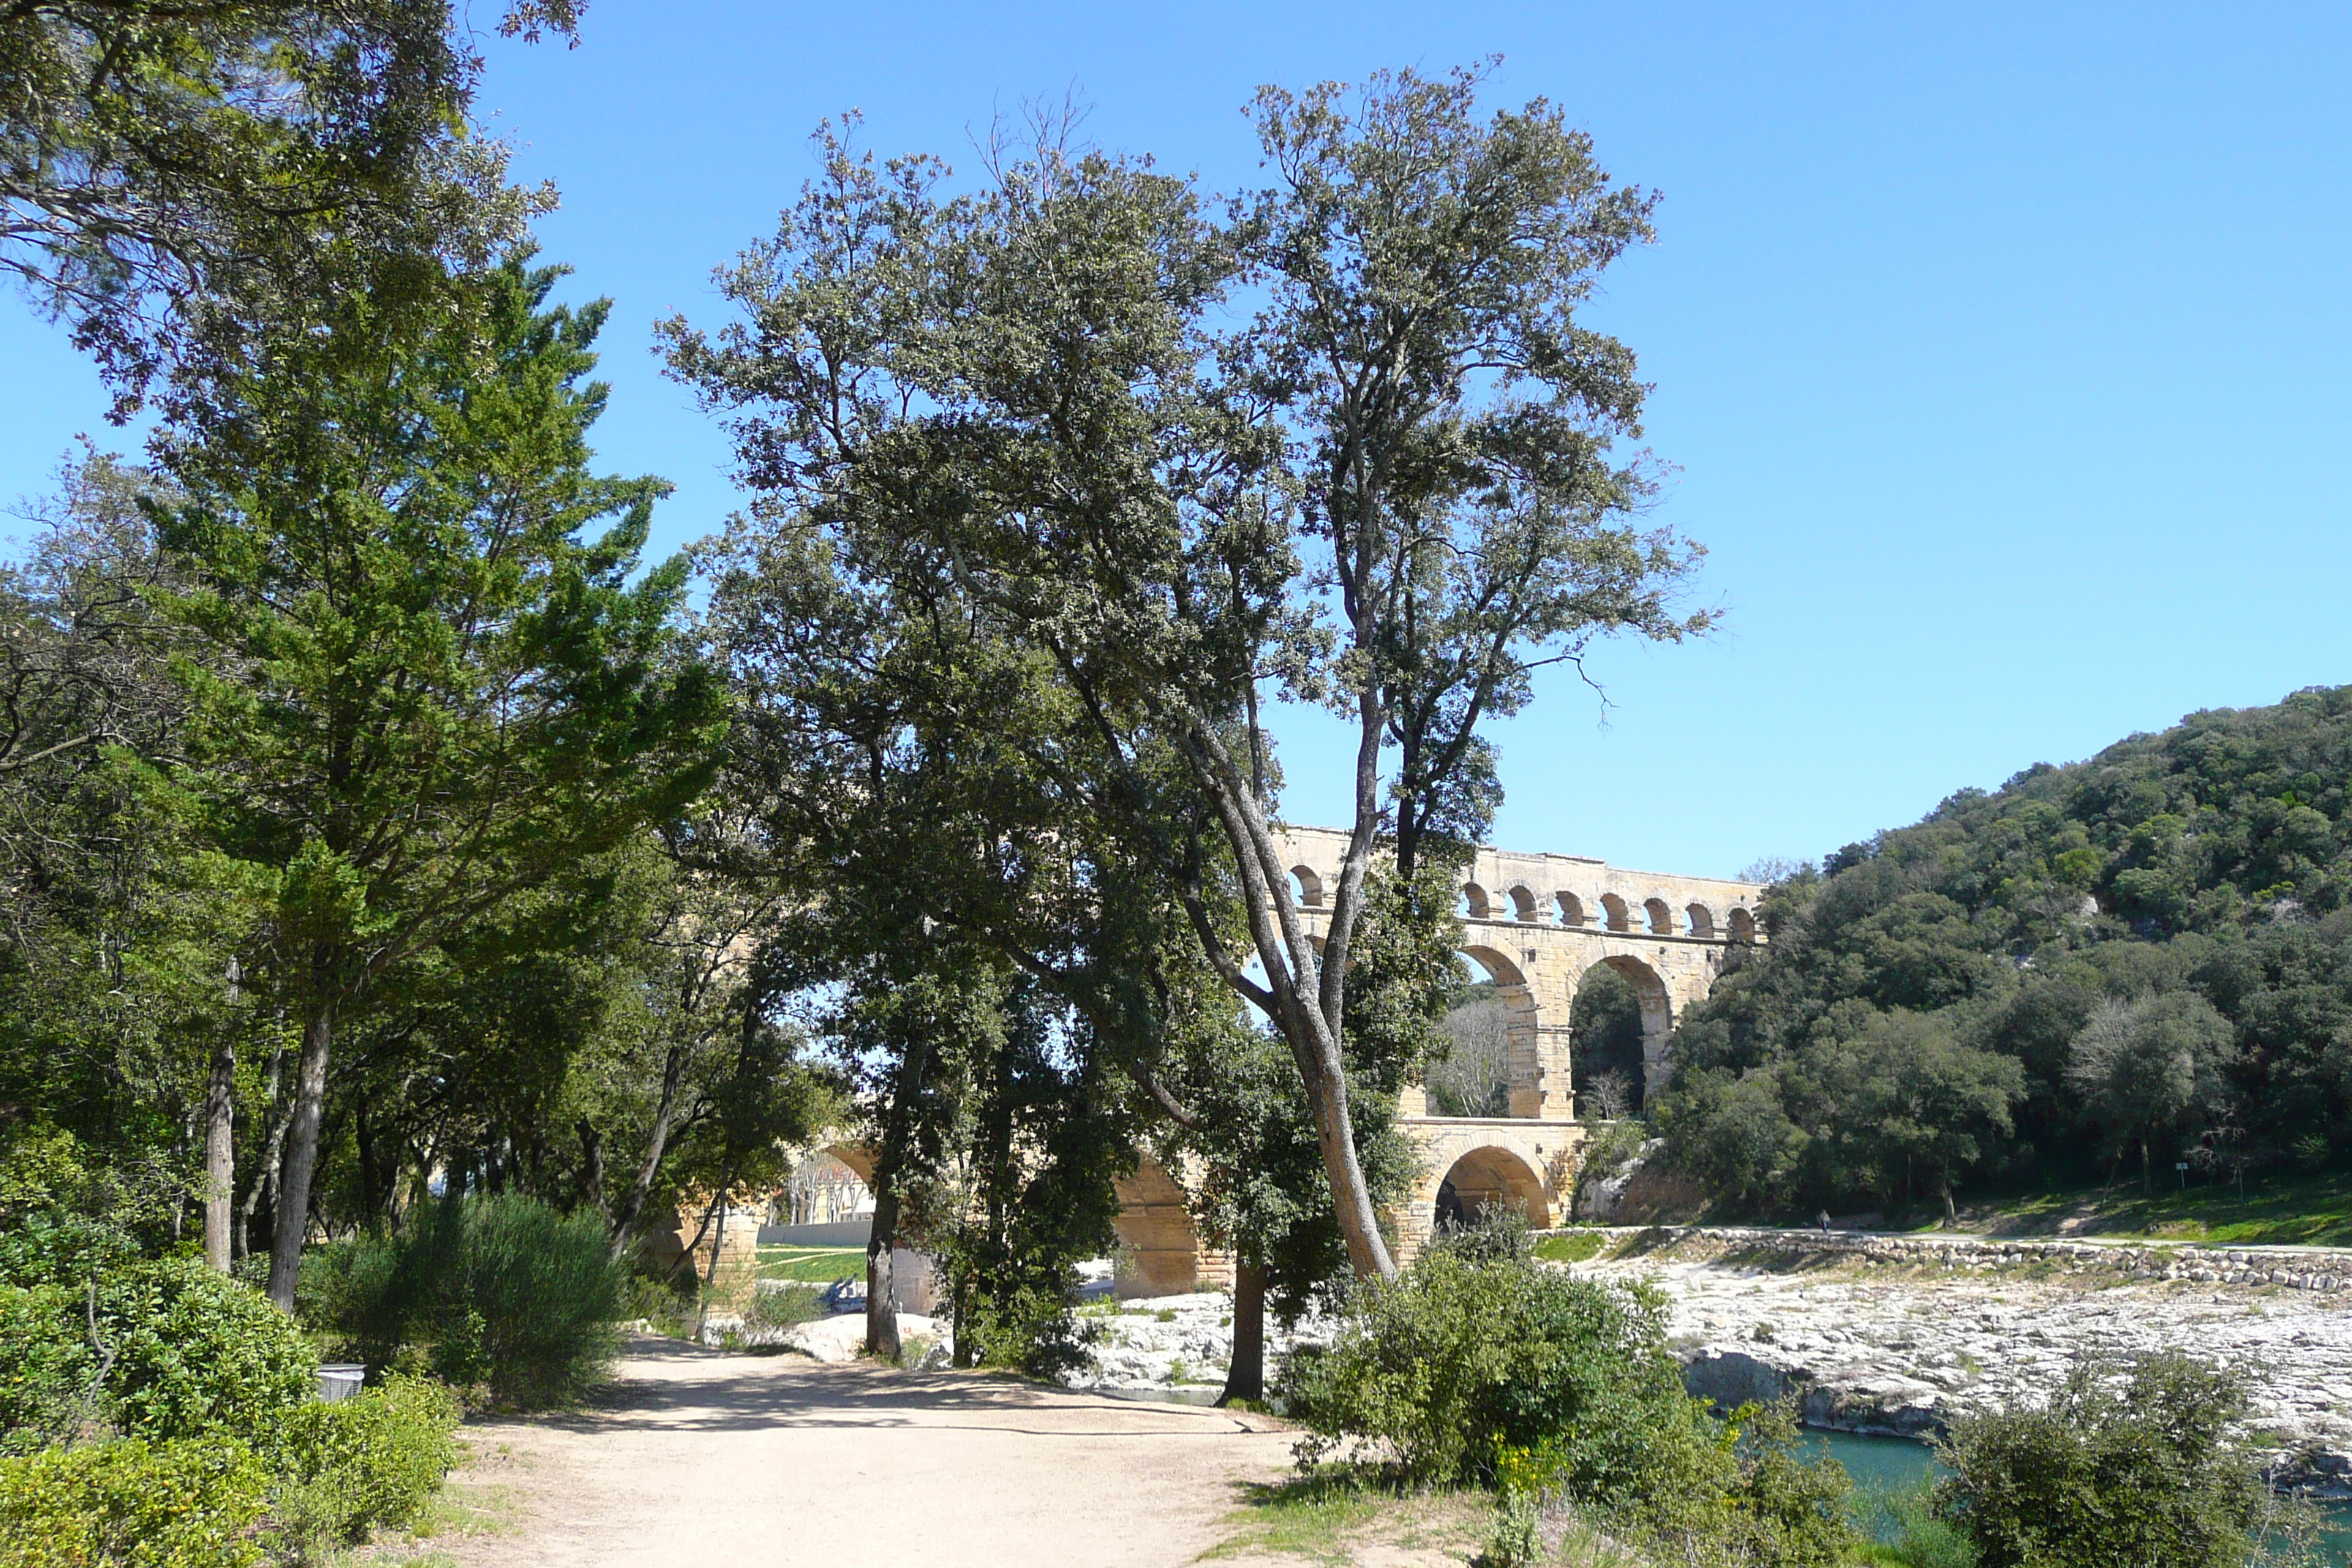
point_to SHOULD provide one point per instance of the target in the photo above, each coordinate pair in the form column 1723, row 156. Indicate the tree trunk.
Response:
column 1351, row 1195
column 301, row 1162
column 1951, row 1211
column 1246, row 1377
column 881, row 1284
column 220, row 1155
column 656, row 1144
column 717, row 1248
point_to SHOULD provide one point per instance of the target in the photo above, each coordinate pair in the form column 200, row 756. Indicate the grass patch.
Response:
column 1325, row 1515
column 2285, row 1211
column 1574, row 1249
column 811, row 1265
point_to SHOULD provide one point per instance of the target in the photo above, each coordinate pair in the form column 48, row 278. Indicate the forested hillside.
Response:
column 2116, row 966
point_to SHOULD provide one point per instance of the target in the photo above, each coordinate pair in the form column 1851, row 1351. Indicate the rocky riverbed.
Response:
column 1175, row 1345
column 1897, row 1334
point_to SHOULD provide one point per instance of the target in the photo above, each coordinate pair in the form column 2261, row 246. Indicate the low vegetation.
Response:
column 155, row 1410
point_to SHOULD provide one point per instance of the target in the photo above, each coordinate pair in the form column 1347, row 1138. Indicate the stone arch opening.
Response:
column 1493, row 1071
column 1741, row 926
column 1619, row 1024
column 1489, row 1178
column 1310, row 886
column 1571, row 909
column 1614, row 914
column 832, row 1186
column 1523, row 902
column 1475, row 904
column 1661, row 916
column 1702, row 920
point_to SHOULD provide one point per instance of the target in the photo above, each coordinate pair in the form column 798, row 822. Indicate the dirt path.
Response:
column 703, row 1457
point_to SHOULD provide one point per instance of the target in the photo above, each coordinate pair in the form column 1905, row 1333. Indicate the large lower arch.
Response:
column 1489, row 1178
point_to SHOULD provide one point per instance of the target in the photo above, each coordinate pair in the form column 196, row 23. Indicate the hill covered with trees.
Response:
column 2098, row 969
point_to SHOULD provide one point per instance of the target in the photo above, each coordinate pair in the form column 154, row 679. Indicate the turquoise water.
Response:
column 1894, row 1464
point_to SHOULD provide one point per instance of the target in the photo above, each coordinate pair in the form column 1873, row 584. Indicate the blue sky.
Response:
column 2002, row 352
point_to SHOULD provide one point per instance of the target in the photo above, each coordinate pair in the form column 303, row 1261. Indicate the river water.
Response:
column 1894, row 1464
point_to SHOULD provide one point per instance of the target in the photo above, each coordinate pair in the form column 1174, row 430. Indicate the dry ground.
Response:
column 703, row 1457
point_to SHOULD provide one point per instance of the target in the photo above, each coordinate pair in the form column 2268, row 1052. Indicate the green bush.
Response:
column 132, row 1504
column 1463, row 1356
column 363, row 1463
column 1739, row 1495
column 2126, row 1463
column 46, row 1388
column 1908, row 1533
column 505, row 1292
column 196, row 1352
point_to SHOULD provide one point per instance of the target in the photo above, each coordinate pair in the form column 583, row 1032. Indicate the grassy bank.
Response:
column 2307, row 1212
column 811, row 1265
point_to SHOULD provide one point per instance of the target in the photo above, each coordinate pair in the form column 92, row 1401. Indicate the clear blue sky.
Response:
column 2002, row 351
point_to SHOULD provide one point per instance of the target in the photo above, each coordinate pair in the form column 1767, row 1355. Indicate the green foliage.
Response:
column 187, row 1503
column 1741, row 1494
column 2155, row 944
column 1474, row 1365
column 504, row 1291
column 1907, row 1533
column 1462, row 1357
column 195, row 1352
column 2123, row 1463
column 783, row 1308
column 360, row 1464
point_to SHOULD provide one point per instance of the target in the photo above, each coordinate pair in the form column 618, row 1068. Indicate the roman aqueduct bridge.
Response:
column 1536, row 926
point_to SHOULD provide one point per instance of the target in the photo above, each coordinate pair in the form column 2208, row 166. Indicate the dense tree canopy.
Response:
column 2147, row 953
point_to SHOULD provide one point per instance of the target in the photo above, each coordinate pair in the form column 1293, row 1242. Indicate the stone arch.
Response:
column 1702, row 920
column 1661, row 916
column 856, row 1156
column 1571, row 909
column 1475, row 901
column 1520, row 1018
column 1657, row 1016
column 1310, row 886
column 1741, row 926
column 1486, row 1177
column 1614, row 915
column 1523, row 902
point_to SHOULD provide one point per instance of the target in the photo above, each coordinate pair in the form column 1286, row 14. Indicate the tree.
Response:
column 1923, row 1106
column 433, row 694
column 157, row 159
column 1014, row 403
column 2147, row 1067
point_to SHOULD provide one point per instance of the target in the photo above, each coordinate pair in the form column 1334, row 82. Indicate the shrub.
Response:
column 132, row 1504
column 363, row 1463
column 48, row 1391
column 1462, row 1357
column 1740, row 1494
column 195, row 1352
column 2125, row 1462
column 508, row 1293
column 783, row 1308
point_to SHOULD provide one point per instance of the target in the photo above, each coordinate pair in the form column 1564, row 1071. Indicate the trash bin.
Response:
column 341, row 1381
